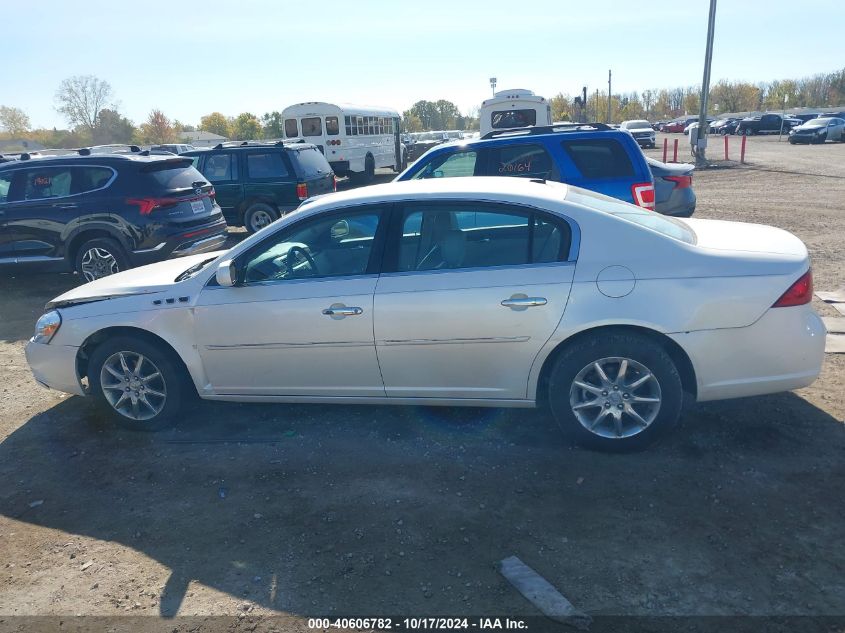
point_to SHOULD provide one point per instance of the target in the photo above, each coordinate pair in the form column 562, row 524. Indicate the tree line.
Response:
column 93, row 115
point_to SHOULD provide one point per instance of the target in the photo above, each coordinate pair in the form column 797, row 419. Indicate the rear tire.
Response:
column 145, row 396
column 259, row 215
column 629, row 408
column 98, row 258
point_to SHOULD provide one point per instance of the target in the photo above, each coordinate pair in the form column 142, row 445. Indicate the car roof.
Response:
column 524, row 135
column 76, row 158
column 224, row 147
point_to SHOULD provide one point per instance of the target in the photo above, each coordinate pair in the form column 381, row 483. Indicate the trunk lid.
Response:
column 747, row 238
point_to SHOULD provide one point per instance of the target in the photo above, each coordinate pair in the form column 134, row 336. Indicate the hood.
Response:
column 136, row 281
column 810, row 126
column 640, row 129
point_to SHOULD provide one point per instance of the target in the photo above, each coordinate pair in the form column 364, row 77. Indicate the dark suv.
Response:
column 257, row 183
column 98, row 214
column 590, row 155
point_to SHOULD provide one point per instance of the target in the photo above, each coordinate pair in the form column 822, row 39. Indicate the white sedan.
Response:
column 499, row 292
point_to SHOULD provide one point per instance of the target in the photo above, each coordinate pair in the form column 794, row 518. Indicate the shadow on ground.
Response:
column 316, row 510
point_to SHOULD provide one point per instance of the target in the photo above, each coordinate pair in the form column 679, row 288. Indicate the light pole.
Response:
column 701, row 140
column 493, row 85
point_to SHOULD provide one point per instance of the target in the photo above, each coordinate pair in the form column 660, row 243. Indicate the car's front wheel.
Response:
column 616, row 392
column 141, row 386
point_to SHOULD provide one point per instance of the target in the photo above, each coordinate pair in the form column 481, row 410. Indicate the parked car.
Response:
column 424, row 141
column 588, row 155
column 770, row 123
column 819, row 131
column 678, row 125
column 466, row 291
column 257, row 183
column 173, row 148
column 641, row 131
column 99, row 214
column 673, row 192
column 724, row 126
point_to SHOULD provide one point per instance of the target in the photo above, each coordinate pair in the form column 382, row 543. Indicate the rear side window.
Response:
column 599, row 158
column 173, row 174
column 310, row 161
column 503, row 119
column 267, row 165
column 451, row 165
column 49, row 182
column 531, row 161
column 91, row 178
column 312, row 126
column 291, row 128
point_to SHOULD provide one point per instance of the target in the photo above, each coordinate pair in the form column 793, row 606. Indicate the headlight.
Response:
column 46, row 327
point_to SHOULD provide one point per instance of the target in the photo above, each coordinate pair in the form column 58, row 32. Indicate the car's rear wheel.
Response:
column 141, row 386
column 100, row 257
column 617, row 392
column 259, row 215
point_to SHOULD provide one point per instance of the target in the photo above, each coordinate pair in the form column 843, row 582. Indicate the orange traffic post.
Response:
column 675, row 152
column 742, row 149
column 726, row 147
column 665, row 148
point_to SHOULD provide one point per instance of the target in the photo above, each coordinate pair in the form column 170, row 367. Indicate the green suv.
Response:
column 257, row 183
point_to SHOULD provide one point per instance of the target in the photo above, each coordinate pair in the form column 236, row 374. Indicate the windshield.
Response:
column 193, row 270
column 818, row 122
column 662, row 224
column 631, row 125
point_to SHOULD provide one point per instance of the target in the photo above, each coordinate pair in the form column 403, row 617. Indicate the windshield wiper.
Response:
column 194, row 269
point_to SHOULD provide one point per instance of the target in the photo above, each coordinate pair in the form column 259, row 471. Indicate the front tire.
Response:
column 259, row 215
column 100, row 258
column 139, row 385
column 748, row 131
column 615, row 393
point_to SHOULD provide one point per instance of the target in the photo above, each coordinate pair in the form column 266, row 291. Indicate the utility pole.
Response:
column 584, row 107
column 493, row 85
column 701, row 140
column 608, row 98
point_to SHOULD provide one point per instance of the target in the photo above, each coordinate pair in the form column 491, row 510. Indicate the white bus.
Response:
column 514, row 108
column 356, row 140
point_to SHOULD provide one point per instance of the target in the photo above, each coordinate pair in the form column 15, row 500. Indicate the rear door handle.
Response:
column 342, row 311
column 518, row 303
column 66, row 206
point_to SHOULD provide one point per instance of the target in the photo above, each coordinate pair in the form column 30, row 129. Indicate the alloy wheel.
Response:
column 615, row 397
column 133, row 385
column 259, row 219
column 98, row 262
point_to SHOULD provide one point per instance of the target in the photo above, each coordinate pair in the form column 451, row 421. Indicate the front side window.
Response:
column 529, row 161
column 48, row 182
column 448, row 237
column 332, row 126
column 451, row 165
column 291, row 128
column 599, row 158
column 312, row 126
column 504, row 119
column 340, row 244
column 218, row 167
column 266, row 165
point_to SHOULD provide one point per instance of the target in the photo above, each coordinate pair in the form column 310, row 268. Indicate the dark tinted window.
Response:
column 218, row 167
column 332, row 126
column 444, row 237
column 48, row 182
column 532, row 161
column 503, row 119
column 312, row 126
column 599, row 158
column 311, row 162
column 269, row 165
column 90, row 178
column 173, row 174
column 291, row 129
column 5, row 184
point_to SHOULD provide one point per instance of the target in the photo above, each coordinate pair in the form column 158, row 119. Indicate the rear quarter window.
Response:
column 310, row 162
column 599, row 158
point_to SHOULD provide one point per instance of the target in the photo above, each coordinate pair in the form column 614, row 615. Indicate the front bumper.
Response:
column 54, row 366
column 645, row 141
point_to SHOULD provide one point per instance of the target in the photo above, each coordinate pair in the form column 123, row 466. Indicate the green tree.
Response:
column 80, row 99
column 246, row 127
column 411, row 122
column 448, row 113
column 14, row 120
column 215, row 123
column 273, row 124
column 157, row 129
column 562, row 108
column 112, row 128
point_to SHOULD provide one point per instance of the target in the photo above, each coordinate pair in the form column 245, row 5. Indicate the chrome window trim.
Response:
column 29, row 167
column 473, row 269
column 252, row 284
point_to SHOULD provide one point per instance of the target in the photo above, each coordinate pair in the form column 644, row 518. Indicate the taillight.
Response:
column 212, row 194
column 148, row 205
column 799, row 293
column 302, row 191
column 681, row 182
column 643, row 193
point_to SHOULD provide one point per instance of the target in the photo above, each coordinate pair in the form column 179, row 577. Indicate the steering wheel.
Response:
column 291, row 262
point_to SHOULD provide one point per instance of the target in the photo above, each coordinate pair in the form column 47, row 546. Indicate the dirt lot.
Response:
column 317, row 510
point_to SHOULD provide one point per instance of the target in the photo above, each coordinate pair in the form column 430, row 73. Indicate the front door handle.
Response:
column 342, row 311
column 520, row 303
column 66, row 206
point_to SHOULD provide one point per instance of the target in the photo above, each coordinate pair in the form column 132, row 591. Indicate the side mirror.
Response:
column 227, row 273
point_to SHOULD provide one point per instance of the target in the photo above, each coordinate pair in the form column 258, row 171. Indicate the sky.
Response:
column 189, row 58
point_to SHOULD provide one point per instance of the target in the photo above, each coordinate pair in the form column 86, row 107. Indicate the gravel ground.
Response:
column 305, row 511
